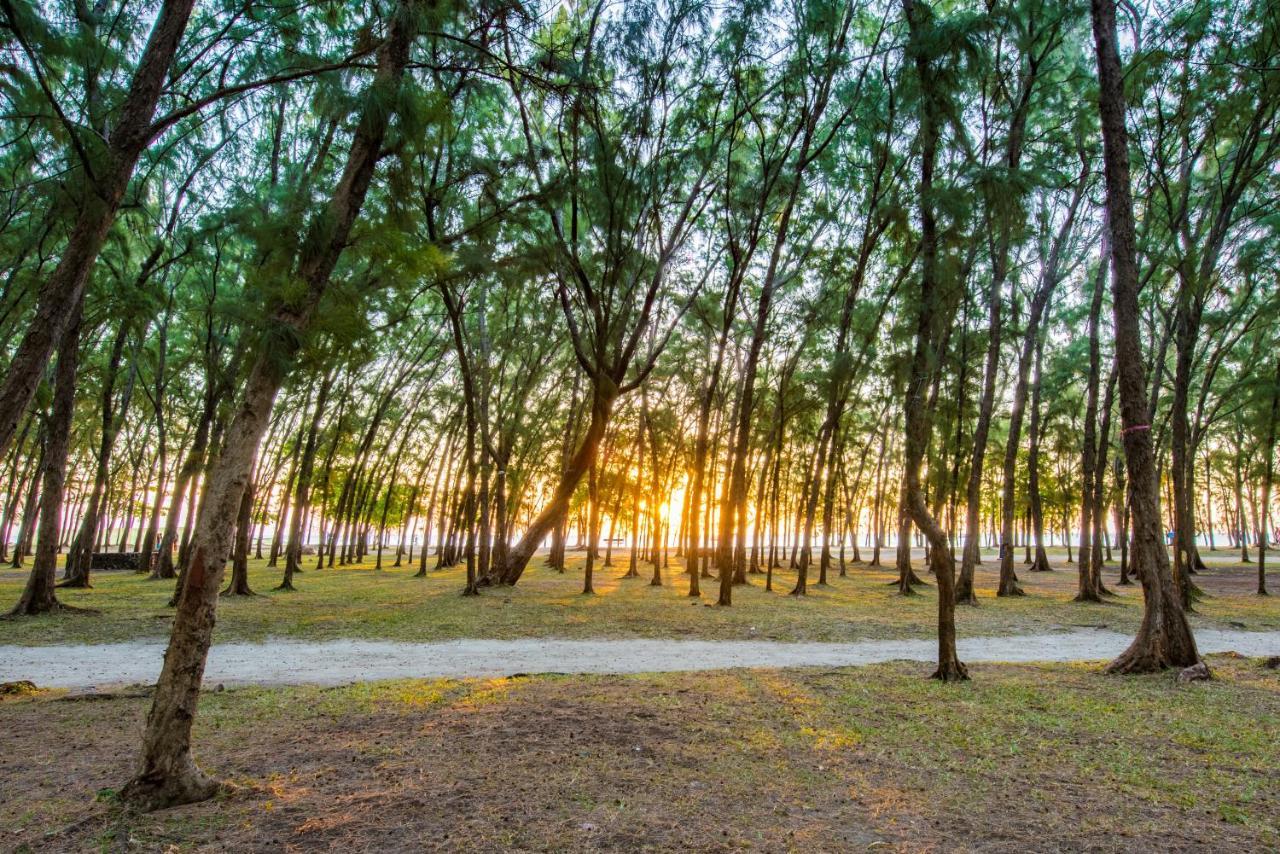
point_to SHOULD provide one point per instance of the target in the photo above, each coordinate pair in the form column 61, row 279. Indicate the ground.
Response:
column 360, row 602
column 1048, row 757
column 1044, row 757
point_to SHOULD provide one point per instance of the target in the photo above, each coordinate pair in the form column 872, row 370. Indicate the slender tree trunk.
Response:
column 1164, row 639
column 1269, row 454
column 39, row 596
column 239, row 585
column 1040, row 563
column 80, row 558
column 928, row 310
column 602, row 400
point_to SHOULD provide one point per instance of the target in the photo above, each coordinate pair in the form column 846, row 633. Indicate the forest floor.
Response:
column 1049, row 757
column 359, row 602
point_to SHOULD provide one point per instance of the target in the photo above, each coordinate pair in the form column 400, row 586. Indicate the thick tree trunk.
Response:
column 168, row 774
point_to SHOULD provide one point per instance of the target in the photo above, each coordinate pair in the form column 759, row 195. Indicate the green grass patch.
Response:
column 361, row 602
column 802, row 759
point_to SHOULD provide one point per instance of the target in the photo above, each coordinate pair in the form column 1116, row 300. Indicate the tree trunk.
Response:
column 603, row 395
column 168, row 774
column 1039, row 563
column 1164, row 639
column 924, row 360
column 239, row 585
column 1269, row 455
column 39, row 597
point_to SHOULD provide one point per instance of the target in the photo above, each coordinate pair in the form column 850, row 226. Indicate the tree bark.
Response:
column 924, row 360
column 1269, row 454
column 1164, row 639
column 39, row 596
column 168, row 774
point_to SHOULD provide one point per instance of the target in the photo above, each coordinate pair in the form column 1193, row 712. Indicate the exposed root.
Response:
column 952, row 671
column 1133, row 661
column 56, row 608
column 151, row 791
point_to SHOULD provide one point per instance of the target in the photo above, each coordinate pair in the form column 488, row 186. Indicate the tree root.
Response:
column 56, row 608
column 953, row 671
column 155, row 791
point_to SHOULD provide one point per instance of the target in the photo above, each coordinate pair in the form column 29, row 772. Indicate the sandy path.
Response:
column 288, row 662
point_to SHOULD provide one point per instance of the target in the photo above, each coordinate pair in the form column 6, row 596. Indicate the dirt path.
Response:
column 286, row 662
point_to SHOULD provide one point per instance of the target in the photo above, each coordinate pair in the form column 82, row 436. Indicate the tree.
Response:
column 927, row 37
column 1164, row 638
column 168, row 773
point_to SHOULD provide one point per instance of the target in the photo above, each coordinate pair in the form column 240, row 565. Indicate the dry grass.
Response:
column 1052, row 757
column 359, row 602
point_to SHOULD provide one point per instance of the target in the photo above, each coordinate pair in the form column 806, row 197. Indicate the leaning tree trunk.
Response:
column 80, row 558
column 18, row 477
column 185, row 481
column 302, row 487
column 168, row 774
column 60, row 296
column 604, row 393
column 39, row 596
column 1030, row 343
column 30, row 510
column 1164, row 639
